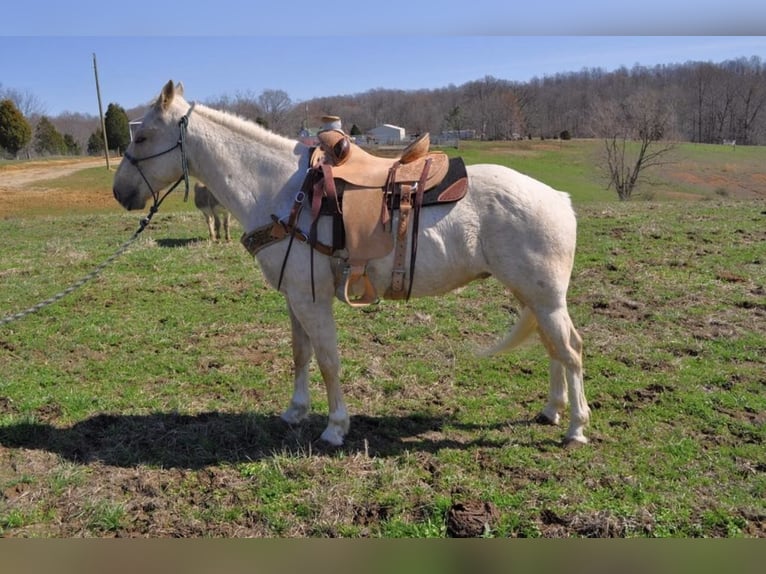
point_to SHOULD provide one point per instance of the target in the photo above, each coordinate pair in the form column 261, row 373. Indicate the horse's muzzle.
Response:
column 129, row 201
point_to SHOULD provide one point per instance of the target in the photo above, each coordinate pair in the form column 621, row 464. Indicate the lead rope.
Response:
column 89, row 277
column 183, row 124
column 144, row 222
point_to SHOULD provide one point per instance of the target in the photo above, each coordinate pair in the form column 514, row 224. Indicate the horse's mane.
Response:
column 244, row 127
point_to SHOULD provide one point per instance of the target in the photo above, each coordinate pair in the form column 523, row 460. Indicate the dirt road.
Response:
column 23, row 189
column 17, row 176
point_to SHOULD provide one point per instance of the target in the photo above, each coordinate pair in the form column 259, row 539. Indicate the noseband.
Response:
column 182, row 125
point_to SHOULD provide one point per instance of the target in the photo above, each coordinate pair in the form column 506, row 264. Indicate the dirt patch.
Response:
column 19, row 176
column 714, row 179
column 23, row 188
column 600, row 524
column 471, row 519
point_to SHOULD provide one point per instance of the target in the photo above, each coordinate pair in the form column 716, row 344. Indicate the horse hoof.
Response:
column 295, row 414
column 571, row 443
column 543, row 419
column 333, row 435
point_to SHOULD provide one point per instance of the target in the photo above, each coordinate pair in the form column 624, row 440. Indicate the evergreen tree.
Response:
column 15, row 131
column 72, row 145
column 117, row 127
column 96, row 142
column 48, row 140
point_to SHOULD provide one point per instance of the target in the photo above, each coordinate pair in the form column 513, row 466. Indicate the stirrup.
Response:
column 352, row 275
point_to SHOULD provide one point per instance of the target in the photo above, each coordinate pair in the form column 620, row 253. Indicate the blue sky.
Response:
column 227, row 47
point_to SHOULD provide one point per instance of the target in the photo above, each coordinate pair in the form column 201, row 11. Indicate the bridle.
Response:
column 183, row 123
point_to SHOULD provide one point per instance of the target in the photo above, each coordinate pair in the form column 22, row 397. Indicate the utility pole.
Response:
column 101, row 112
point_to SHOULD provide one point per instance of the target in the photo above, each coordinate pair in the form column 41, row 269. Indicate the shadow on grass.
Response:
column 170, row 243
column 173, row 440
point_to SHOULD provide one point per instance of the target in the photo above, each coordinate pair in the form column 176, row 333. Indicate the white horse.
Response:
column 510, row 226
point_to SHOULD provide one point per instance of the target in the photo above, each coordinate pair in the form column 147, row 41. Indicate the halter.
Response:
column 183, row 123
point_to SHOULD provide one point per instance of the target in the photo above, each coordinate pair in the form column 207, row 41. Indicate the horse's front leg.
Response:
column 316, row 328
column 300, row 404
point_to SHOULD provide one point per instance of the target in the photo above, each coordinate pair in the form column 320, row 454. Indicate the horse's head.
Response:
column 153, row 159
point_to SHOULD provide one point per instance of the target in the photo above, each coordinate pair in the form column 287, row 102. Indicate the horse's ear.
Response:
column 180, row 89
column 167, row 95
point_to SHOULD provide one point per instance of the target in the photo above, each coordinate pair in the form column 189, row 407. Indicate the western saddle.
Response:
column 359, row 191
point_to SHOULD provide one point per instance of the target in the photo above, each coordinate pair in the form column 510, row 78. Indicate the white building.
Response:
column 387, row 134
column 133, row 125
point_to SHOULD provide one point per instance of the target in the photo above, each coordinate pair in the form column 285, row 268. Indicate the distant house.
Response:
column 387, row 134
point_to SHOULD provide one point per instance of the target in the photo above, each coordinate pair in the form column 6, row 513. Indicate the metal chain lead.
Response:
column 182, row 124
column 89, row 277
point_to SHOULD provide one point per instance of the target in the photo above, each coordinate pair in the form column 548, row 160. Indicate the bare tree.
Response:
column 276, row 105
column 28, row 103
column 243, row 104
column 637, row 135
column 79, row 126
column 699, row 80
column 492, row 108
column 750, row 93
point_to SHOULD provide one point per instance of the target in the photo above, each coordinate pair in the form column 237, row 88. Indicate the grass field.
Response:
column 147, row 403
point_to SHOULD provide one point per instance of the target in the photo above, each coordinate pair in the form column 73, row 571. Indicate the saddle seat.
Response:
column 360, row 168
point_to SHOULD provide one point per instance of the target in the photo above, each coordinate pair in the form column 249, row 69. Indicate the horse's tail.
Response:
column 523, row 328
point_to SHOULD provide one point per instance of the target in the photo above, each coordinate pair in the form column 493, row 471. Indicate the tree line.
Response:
column 38, row 136
column 703, row 102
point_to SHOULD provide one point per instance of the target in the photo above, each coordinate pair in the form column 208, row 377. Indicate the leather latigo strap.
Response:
column 397, row 275
column 410, row 203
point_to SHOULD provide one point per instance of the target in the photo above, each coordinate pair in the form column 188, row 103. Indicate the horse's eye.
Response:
column 140, row 139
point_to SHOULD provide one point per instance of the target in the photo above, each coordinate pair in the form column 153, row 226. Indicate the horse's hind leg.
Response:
column 217, row 220
column 564, row 346
column 226, row 224
column 557, row 395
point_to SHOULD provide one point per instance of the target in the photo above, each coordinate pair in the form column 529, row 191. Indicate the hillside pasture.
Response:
column 147, row 403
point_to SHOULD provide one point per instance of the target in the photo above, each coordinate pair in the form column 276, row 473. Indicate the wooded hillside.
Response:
column 710, row 103
column 707, row 102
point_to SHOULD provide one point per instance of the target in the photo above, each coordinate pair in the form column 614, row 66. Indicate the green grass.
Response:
column 565, row 165
column 693, row 171
column 147, row 403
